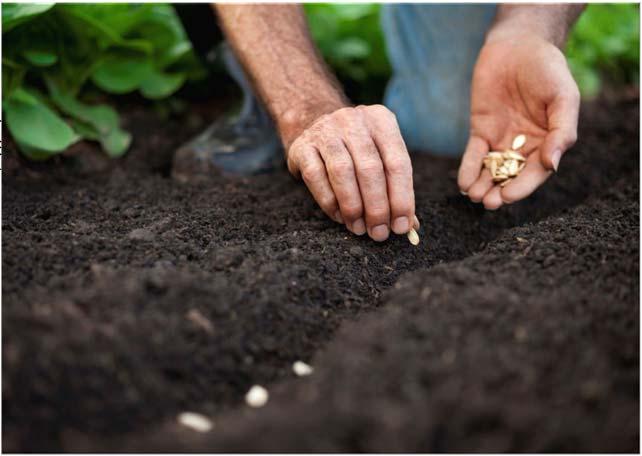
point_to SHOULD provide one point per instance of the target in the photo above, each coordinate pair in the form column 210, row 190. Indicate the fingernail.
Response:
column 416, row 224
column 555, row 158
column 359, row 227
column 337, row 217
column 380, row 233
column 400, row 225
column 463, row 193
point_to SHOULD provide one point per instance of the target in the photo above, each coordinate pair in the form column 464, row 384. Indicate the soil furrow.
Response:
column 102, row 276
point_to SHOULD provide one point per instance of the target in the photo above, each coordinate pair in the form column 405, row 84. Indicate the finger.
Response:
column 372, row 184
column 313, row 173
column 478, row 190
column 562, row 124
column 532, row 176
column 341, row 174
column 415, row 223
column 471, row 163
column 398, row 169
column 493, row 199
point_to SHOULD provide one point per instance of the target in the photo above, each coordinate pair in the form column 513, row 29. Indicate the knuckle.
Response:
column 327, row 202
column 382, row 111
column 399, row 165
column 404, row 205
column 371, row 167
column 378, row 214
column 341, row 168
column 351, row 210
column 312, row 173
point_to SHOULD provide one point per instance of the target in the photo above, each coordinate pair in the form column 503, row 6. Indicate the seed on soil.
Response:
column 302, row 369
column 200, row 320
column 413, row 237
column 195, row 421
column 519, row 142
column 257, row 396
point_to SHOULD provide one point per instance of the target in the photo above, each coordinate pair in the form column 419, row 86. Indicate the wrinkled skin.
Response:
column 356, row 165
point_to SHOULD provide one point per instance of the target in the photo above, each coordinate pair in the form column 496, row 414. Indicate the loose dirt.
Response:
column 129, row 299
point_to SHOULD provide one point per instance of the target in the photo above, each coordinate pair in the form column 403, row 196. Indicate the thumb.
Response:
column 562, row 122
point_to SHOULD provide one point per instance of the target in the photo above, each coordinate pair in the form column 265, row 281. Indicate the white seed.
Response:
column 195, row 421
column 512, row 155
column 302, row 369
column 521, row 167
column 496, row 156
column 257, row 396
column 413, row 237
column 493, row 168
column 512, row 168
column 500, row 178
column 503, row 169
column 519, row 142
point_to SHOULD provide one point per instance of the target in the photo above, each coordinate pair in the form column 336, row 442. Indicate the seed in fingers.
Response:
column 413, row 237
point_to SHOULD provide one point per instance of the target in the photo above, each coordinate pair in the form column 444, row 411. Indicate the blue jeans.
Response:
column 432, row 49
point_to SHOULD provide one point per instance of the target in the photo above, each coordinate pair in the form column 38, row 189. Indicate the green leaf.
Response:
column 34, row 125
column 40, row 58
column 98, row 122
column 352, row 48
column 12, row 77
column 122, row 74
column 116, row 143
column 102, row 117
column 14, row 14
column 33, row 153
column 159, row 85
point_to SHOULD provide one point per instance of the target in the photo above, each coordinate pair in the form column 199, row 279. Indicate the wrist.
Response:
column 550, row 23
column 296, row 119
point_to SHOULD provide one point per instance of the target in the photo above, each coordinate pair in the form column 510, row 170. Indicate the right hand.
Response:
column 355, row 164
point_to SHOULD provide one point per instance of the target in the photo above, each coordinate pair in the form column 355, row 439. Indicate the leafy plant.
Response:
column 56, row 55
column 351, row 41
column 605, row 45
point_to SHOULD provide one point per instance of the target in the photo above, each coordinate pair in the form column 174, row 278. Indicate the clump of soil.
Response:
column 130, row 298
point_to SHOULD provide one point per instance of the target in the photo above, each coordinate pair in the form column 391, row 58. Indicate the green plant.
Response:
column 605, row 46
column 351, row 41
column 56, row 55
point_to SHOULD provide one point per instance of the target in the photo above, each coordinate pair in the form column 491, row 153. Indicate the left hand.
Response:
column 521, row 85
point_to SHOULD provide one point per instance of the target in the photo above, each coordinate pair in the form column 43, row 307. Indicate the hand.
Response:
column 356, row 166
column 521, row 85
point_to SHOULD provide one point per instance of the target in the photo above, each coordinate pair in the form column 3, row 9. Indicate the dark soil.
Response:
column 512, row 330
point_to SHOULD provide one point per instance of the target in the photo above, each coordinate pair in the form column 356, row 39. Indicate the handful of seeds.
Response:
column 504, row 166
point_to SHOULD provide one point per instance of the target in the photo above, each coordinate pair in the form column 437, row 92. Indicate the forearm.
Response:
column 548, row 21
column 273, row 44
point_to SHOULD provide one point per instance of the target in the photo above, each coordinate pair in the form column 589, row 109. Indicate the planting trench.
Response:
column 129, row 298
